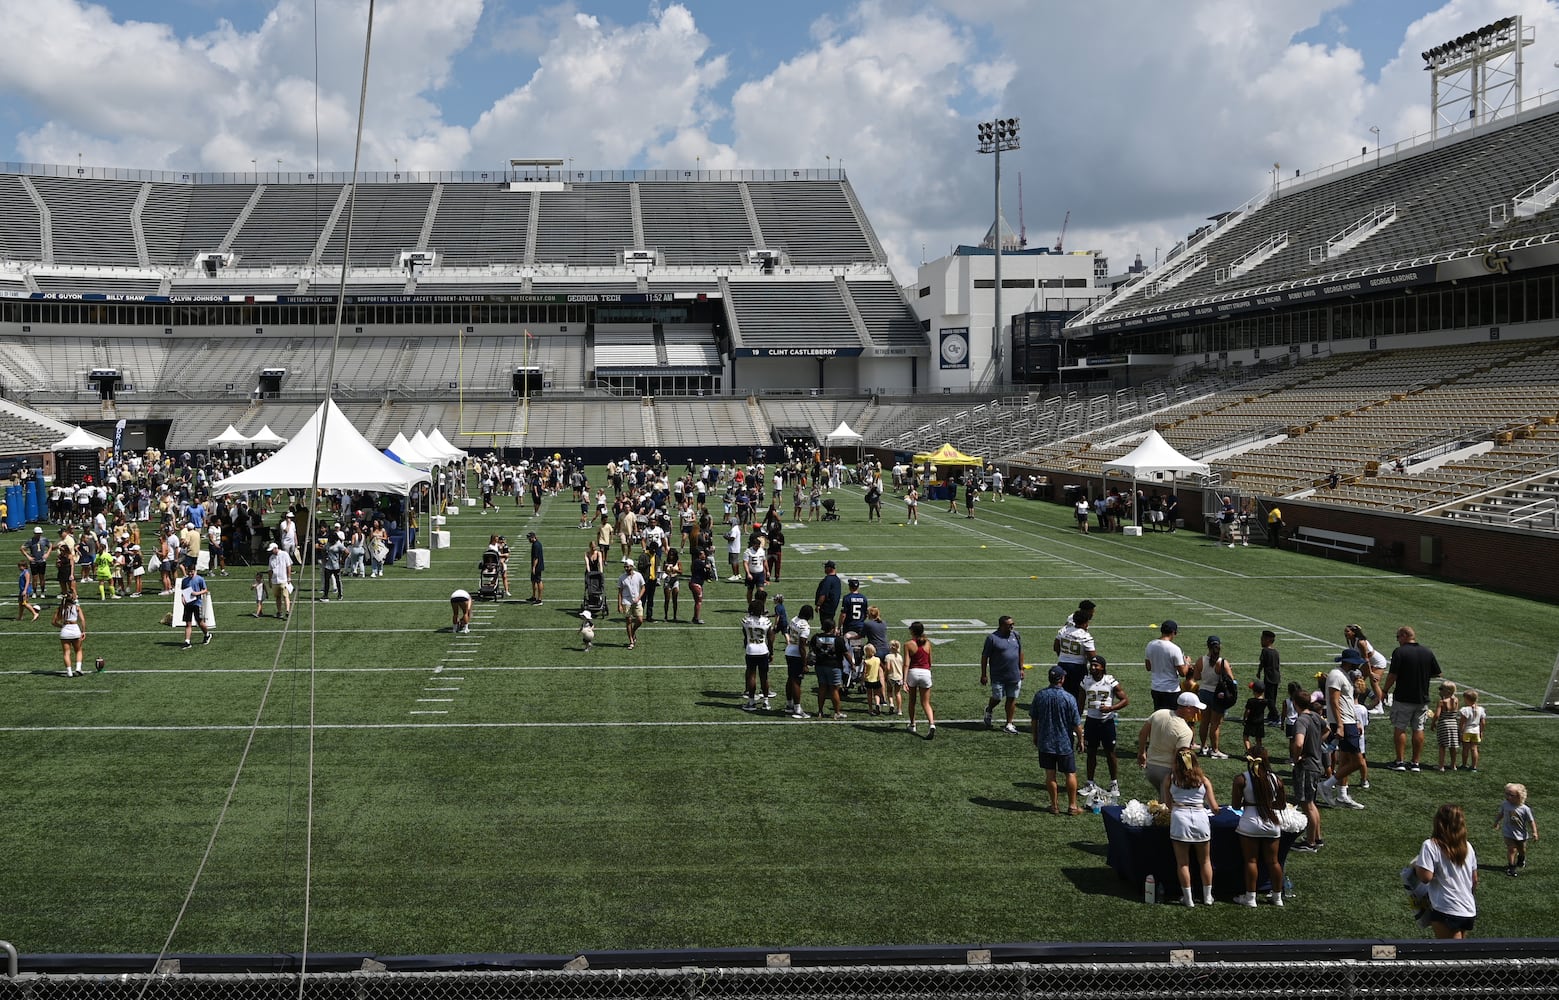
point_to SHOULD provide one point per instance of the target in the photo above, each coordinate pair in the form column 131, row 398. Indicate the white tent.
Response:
column 230, row 438
column 438, row 439
column 426, row 449
column 348, row 462
column 81, row 440
column 1153, row 457
column 409, row 453
column 267, row 438
column 842, row 433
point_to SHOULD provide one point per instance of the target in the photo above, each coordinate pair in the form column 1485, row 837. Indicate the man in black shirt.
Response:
column 1412, row 668
column 828, row 653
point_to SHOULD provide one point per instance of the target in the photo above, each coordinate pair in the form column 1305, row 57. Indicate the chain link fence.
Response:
column 1178, row 974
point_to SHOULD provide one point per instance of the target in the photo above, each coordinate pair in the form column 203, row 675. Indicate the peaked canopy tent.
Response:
column 348, row 462
column 946, row 455
column 81, row 440
column 230, row 438
column 843, row 434
column 267, row 438
column 407, row 453
column 439, row 441
column 1154, row 457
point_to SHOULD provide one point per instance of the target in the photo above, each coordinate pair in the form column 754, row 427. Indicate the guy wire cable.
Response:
column 319, row 452
column 254, row 727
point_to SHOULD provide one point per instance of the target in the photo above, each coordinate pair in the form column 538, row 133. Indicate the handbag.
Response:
column 1227, row 693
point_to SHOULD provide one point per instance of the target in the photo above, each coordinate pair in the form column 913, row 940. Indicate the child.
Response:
column 893, row 669
column 1296, row 694
column 23, row 589
column 1517, row 825
column 259, row 595
column 135, row 569
column 1255, row 716
column 1361, row 715
column 121, row 588
column 871, row 668
column 587, row 630
column 1473, row 720
column 1448, row 723
column 103, row 572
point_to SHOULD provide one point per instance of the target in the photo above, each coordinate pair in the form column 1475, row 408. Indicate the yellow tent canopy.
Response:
column 947, row 455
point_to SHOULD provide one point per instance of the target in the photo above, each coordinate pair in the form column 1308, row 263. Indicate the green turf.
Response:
column 566, row 800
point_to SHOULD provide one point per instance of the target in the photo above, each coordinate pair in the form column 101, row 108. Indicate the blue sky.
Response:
column 1140, row 118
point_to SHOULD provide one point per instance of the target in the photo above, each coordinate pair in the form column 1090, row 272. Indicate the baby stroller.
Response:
column 595, row 592
column 830, row 509
column 489, row 577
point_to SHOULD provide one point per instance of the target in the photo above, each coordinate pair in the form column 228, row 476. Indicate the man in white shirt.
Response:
column 281, row 580
column 630, row 598
column 1167, row 665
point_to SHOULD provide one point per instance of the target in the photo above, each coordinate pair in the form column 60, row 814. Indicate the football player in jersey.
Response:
column 1073, row 647
column 1103, row 698
column 757, row 640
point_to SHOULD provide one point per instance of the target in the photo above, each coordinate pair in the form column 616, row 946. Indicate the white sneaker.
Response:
column 1009, row 728
column 799, row 714
column 1328, row 791
column 1276, row 899
column 1346, row 801
column 749, row 705
column 1086, row 789
column 1378, row 710
column 1246, row 899
column 1115, row 788
column 765, row 704
column 1217, row 755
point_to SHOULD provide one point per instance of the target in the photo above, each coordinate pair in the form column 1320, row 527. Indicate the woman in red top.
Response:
column 917, row 654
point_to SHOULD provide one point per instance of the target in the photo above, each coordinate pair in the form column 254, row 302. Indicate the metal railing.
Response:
column 500, row 175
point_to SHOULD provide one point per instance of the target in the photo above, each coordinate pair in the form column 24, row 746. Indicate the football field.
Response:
column 399, row 789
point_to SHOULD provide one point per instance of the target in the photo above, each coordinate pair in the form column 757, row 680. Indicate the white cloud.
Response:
column 137, row 95
column 606, row 95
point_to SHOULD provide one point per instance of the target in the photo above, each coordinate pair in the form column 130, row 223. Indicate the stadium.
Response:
column 364, row 798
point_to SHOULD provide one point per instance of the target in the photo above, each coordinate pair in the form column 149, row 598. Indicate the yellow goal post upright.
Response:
column 460, row 384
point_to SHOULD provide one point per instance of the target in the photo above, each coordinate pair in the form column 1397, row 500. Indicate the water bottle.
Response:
column 1150, row 890
column 1288, row 887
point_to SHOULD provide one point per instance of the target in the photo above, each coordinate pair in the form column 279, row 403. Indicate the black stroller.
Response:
column 830, row 509
column 489, row 577
column 595, row 592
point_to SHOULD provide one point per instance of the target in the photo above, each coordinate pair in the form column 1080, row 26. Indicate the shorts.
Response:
column 192, row 613
column 535, row 577
column 1472, row 739
column 1452, row 922
column 1065, row 763
column 758, row 661
column 757, row 578
column 188, row 563
column 1351, row 742
column 795, row 668
column 1407, row 716
column 1307, row 781
column 1099, row 734
column 918, row 677
column 1165, row 699
column 279, row 591
column 1008, row 690
column 830, row 677
column 635, row 612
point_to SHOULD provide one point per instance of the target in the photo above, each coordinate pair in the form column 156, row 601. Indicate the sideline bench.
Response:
column 1357, row 546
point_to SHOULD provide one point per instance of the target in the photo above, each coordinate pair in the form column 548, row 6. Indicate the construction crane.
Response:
column 1060, row 240
column 1023, row 231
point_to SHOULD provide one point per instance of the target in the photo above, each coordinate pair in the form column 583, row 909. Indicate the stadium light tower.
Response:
column 1476, row 77
column 996, row 137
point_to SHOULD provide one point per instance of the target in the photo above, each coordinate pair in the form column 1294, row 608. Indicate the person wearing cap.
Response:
column 1167, row 666
column 1166, row 733
column 1218, row 691
column 538, row 564
column 1103, row 698
column 189, row 547
column 36, row 550
column 1057, row 728
column 1001, row 666
column 630, row 599
column 827, row 598
column 280, row 564
column 1342, row 728
column 587, row 629
column 1305, row 749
